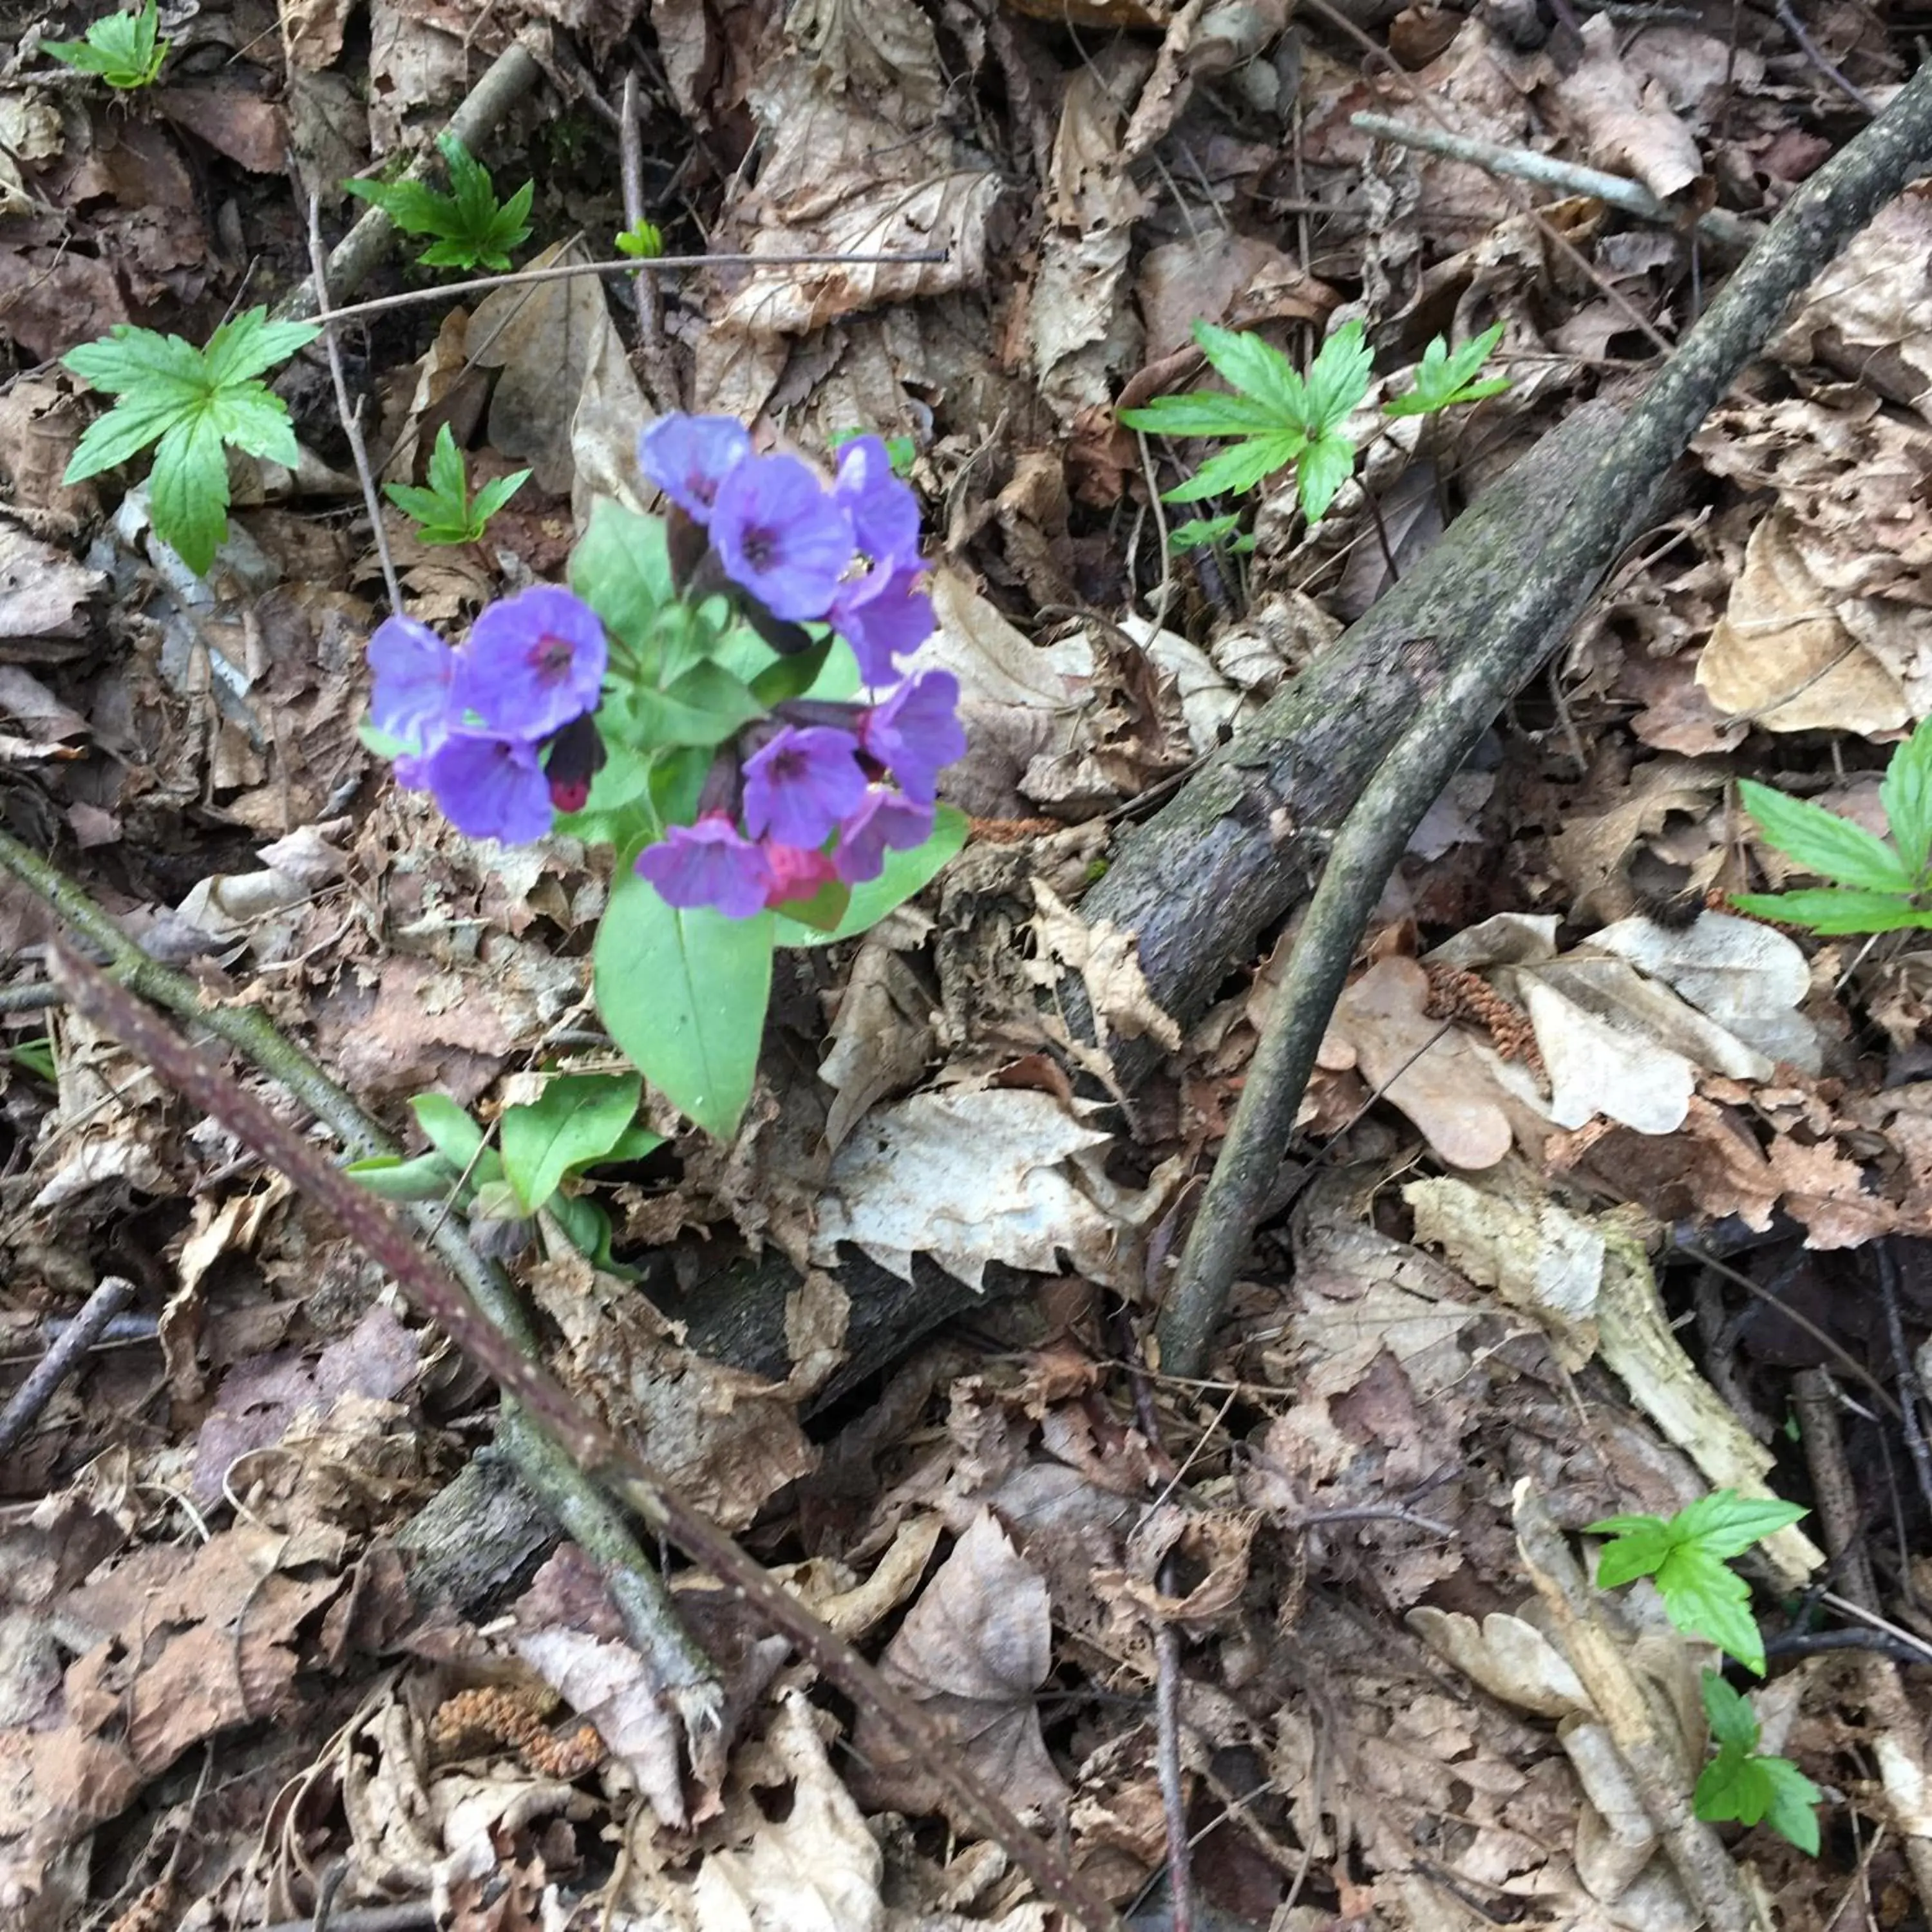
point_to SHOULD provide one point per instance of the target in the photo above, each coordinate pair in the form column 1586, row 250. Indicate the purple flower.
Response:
column 916, row 733
column 688, row 457
column 797, row 873
column 887, row 821
column 884, row 511
column 488, row 787
column 710, row 863
column 801, row 783
column 534, row 662
column 415, row 672
column 881, row 616
column 780, row 536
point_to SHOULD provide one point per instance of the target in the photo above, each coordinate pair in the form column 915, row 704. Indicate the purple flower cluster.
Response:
column 815, row 772
column 498, row 730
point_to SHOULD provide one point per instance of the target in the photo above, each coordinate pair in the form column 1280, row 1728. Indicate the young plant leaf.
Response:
column 1822, row 842
column 474, row 230
column 574, row 1122
column 1905, row 792
column 1741, row 1783
column 1337, row 381
column 124, row 50
column 1201, row 531
column 449, row 1130
column 1831, row 910
column 906, row 873
column 444, row 512
column 1232, row 470
column 1257, row 370
column 684, row 993
column 1326, row 464
column 1443, row 378
column 622, row 569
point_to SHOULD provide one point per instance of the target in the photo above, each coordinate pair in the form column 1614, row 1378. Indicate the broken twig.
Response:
column 63, row 1358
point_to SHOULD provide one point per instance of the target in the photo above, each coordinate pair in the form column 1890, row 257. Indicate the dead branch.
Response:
column 1810, row 230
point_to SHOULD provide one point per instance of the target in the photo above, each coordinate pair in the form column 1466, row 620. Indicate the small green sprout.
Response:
column 192, row 402
column 1741, row 1783
column 643, row 239
column 901, row 451
column 1686, row 1556
column 1884, row 884
column 445, row 512
column 124, row 50
column 1277, row 419
column 37, row 1056
column 474, row 229
column 1203, row 531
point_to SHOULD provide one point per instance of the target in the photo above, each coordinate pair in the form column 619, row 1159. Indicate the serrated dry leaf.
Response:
column 1108, row 961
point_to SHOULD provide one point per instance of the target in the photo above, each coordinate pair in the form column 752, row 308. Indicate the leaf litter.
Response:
column 1565, row 1086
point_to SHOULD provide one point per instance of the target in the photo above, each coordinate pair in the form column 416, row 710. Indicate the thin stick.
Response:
column 1812, row 52
column 1718, row 225
column 653, row 351
column 351, row 419
column 1173, row 1793
column 1607, row 508
column 591, row 1444
column 63, row 1358
column 626, row 265
column 1911, row 1418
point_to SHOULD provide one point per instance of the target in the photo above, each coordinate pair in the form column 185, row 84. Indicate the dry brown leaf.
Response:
column 1827, row 1195
column 1108, row 961
column 973, row 1650
column 1783, row 654
column 1624, row 121
column 882, row 1040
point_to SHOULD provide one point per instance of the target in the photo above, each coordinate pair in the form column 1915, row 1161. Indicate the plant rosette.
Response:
column 718, row 696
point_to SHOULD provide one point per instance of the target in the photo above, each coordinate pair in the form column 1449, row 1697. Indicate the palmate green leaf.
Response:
column 1201, row 532
column 123, row 49
column 574, row 1122
column 1325, row 466
column 448, row 478
column 1793, row 1812
column 1832, row 911
column 1822, row 842
column 415, row 209
column 1443, row 379
column 1704, row 1598
column 1905, row 792
column 124, row 431
column 1337, row 381
column 1206, row 412
column 250, row 416
column 187, row 492
column 128, row 357
column 1258, row 369
column 251, row 345
column 493, row 496
column 1642, row 1543
column 684, row 995
column 1725, row 1524
column 1240, row 467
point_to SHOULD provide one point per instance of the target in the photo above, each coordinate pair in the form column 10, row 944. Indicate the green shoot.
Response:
column 643, row 239
column 124, row 50
column 1203, row 531
column 37, row 1056
column 900, row 450
column 445, row 513
column 1739, row 1783
column 192, row 402
column 1277, row 419
column 1445, row 380
column 1884, row 884
column 474, row 230
column 1687, row 1557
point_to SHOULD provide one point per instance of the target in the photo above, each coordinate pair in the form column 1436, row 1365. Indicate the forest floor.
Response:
column 1603, row 1197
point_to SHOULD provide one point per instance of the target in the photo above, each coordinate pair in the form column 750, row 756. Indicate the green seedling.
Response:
column 473, row 229
column 1741, row 1783
column 1884, row 885
column 579, row 1121
column 1279, row 419
column 643, row 239
column 194, row 404
column 124, row 50
column 37, row 1056
column 1203, row 531
column 1687, row 1557
column 445, row 512
column 900, row 450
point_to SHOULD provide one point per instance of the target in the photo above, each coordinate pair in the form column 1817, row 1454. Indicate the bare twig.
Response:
column 1173, row 1792
column 62, row 1358
column 1912, row 1421
column 660, row 371
column 1718, row 225
column 1815, row 54
column 351, row 418
column 1607, row 508
column 590, row 1444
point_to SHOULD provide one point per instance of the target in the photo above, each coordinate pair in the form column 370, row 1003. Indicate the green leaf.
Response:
column 1905, row 792
column 449, row 1129
column 574, row 1122
column 1206, row 412
column 905, row 873
column 1201, row 532
column 1733, row 1785
column 187, row 492
column 1337, row 381
column 1641, row 1544
column 791, row 676
column 1443, row 379
column 1326, row 465
column 1830, row 910
column 1725, row 1524
column 684, row 993
column 1239, row 468
column 1822, row 842
column 621, row 568
column 251, row 345
column 704, row 707
column 1258, row 369
column 423, row 1177
column 1733, row 1723
column 643, row 239
column 250, row 417
column 124, row 48
column 124, row 431
column 128, row 357
column 1793, row 1812
column 1703, row 1597
column 493, row 496
column 475, row 231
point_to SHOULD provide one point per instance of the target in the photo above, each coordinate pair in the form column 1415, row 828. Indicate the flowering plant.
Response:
column 718, row 696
